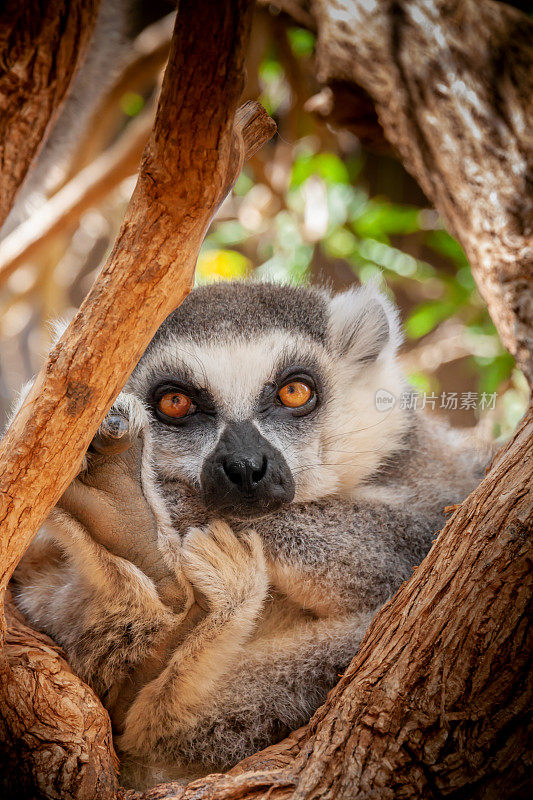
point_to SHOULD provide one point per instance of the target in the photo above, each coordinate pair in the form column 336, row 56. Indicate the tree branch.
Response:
column 84, row 190
column 452, row 84
column 193, row 158
column 42, row 45
column 72, row 760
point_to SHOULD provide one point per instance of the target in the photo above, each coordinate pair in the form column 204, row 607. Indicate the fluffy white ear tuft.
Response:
column 363, row 324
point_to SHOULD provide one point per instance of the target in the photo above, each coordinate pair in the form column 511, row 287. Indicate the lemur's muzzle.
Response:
column 245, row 473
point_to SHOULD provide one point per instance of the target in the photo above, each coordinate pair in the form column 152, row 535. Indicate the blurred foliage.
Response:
column 132, row 103
column 325, row 207
column 305, row 210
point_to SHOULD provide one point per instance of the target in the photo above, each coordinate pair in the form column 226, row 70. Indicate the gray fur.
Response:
column 245, row 309
column 266, row 612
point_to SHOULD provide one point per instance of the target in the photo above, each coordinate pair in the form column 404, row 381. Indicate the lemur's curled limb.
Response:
column 231, row 574
column 304, row 638
column 116, row 575
column 271, row 685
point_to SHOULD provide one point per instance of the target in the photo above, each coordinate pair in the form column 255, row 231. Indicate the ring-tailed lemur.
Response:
column 212, row 581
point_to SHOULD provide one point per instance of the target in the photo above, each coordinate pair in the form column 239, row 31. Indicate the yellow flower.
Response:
column 223, row 265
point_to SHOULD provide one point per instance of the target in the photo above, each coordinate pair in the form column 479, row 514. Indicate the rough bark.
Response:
column 41, row 46
column 452, row 83
column 73, row 760
column 55, row 734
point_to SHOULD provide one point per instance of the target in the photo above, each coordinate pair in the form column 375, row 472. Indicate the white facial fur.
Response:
column 330, row 451
column 357, row 436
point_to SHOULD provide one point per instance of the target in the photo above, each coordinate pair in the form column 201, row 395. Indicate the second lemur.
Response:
column 212, row 581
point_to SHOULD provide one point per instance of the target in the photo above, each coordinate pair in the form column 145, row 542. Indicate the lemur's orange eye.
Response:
column 294, row 394
column 174, row 404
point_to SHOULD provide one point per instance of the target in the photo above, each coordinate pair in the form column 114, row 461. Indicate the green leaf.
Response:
column 421, row 382
column 379, row 220
column 229, row 232
column 327, row 166
column 331, row 168
column 446, row 245
column 243, row 185
column 494, row 371
column 301, row 41
column 341, row 243
column 131, row 103
column 270, row 70
column 465, row 278
column 392, row 259
column 369, row 272
column 275, row 90
column 426, row 317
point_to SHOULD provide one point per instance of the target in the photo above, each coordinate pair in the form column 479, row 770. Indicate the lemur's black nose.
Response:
column 246, row 473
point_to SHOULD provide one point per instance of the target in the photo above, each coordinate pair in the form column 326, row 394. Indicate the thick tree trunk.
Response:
column 41, row 46
column 54, row 734
column 452, row 83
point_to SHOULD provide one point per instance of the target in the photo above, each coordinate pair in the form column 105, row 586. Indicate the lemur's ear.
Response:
column 363, row 324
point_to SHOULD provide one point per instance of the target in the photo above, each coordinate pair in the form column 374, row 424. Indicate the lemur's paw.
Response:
column 229, row 570
column 124, row 422
column 117, row 503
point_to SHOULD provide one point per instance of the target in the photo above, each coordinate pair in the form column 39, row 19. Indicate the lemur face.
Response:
column 263, row 395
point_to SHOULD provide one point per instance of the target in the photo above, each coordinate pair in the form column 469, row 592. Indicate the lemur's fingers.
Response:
column 126, row 420
column 124, row 428
column 229, row 571
column 113, row 436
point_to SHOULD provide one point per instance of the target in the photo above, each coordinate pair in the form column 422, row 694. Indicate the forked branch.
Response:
column 436, row 701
